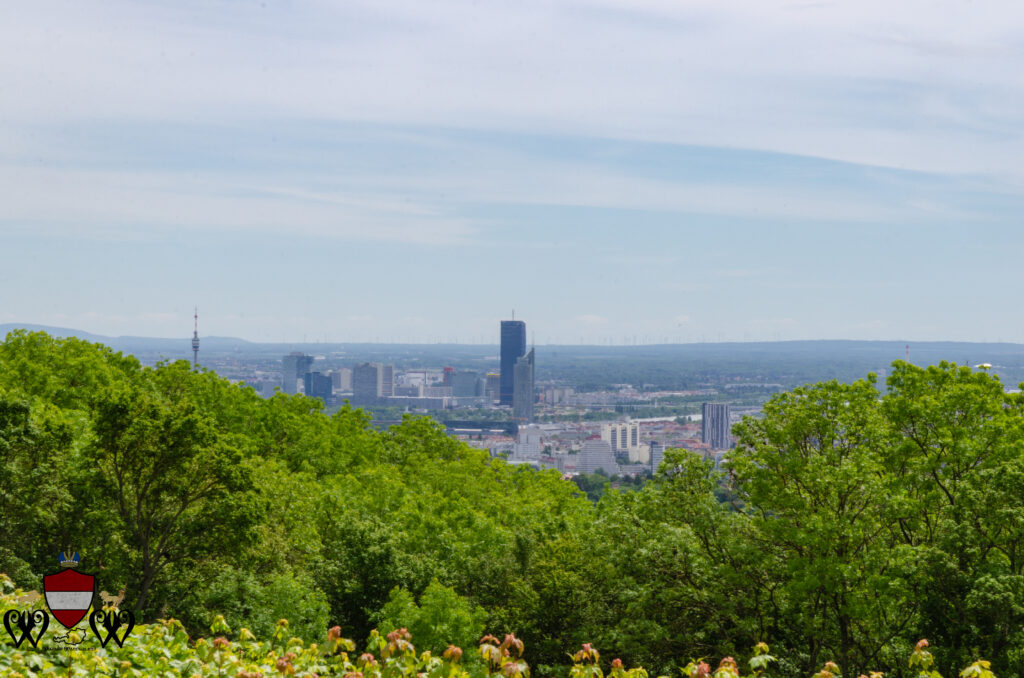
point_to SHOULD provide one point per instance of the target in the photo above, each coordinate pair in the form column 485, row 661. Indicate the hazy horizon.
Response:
column 623, row 343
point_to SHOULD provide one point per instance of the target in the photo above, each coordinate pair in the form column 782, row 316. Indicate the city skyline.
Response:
column 681, row 172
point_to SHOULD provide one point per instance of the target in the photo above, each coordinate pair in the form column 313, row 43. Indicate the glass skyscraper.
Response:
column 513, row 346
column 522, row 400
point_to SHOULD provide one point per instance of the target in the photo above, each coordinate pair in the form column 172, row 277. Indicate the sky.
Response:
column 613, row 171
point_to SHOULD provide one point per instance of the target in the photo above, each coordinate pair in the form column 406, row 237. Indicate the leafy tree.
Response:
column 959, row 454
column 64, row 373
column 178, row 490
column 360, row 563
column 811, row 477
column 34, row 497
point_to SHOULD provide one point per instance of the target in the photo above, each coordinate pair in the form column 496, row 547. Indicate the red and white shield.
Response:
column 69, row 595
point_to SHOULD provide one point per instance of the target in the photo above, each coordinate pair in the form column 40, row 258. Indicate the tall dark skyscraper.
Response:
column 513, row 346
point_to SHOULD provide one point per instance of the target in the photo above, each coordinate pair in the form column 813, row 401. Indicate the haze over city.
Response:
column 614, row 171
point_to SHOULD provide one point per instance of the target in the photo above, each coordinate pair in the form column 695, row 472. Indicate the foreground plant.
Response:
column 164, row 648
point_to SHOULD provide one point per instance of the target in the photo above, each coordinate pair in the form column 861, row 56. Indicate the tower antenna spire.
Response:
column 195, row 340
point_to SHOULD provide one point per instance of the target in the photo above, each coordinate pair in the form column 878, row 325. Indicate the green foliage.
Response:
column 441, row 618
column 847, row 520
column 594, row 485
column 811, row 476
column 179, row 490
column 33, row 482
column 166, row 649
column 244, row 601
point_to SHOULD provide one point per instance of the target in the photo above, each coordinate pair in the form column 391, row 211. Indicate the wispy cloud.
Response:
column 139, row 202
column 748, row 74
column 632, row 151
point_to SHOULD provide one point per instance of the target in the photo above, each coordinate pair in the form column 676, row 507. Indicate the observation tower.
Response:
column 195, row 340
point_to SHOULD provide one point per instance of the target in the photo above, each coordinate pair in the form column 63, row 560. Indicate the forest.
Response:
column 851, row 521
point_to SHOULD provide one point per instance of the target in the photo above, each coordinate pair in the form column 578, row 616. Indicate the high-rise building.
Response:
column 522, row 401
column 372, row 381
column 341, row 379
column 513, row 347
column 715, row 426
column 385, row 381
column 624, row 437
column 319, row 385
column 365, row 377
column 621, row 435
column 657, row 455
column 462, row 382
column 528, row 444
column 294, row 367
column 492, row 386
column 596, row 454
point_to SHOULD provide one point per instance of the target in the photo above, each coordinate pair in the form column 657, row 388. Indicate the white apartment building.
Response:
column 624, row 437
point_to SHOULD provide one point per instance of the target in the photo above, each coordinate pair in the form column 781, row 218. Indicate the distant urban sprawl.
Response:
column 508, row 413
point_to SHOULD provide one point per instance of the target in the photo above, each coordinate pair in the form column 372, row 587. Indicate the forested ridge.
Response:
column 845, row 526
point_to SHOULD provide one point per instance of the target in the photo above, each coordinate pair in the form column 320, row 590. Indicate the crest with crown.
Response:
column 69, row 558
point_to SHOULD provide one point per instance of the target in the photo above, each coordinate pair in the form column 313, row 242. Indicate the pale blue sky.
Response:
column 614, row 170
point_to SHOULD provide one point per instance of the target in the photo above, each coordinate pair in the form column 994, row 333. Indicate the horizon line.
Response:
column 5, row 328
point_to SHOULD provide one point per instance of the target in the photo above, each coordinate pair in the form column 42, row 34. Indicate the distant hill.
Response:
column 925, row 352
column 54, row 331
column 132, row 344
